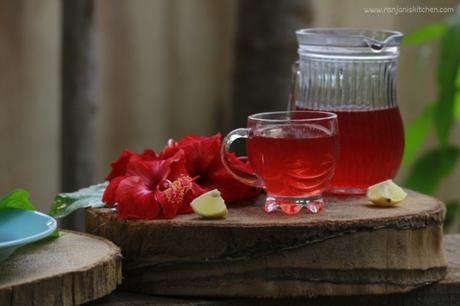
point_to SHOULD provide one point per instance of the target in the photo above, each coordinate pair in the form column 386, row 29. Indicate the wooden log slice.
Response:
column 70, row 270
column 443, row 293
column 351, row 247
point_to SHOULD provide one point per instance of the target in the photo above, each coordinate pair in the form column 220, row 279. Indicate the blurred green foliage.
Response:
column 430, row 168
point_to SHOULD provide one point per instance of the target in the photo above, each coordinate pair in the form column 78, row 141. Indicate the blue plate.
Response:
column 19, row 227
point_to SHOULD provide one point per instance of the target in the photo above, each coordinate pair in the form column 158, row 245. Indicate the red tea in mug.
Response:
column 295, row 160
column 292, row 155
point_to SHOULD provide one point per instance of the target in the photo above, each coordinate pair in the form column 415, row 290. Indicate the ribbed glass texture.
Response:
column 346, row 84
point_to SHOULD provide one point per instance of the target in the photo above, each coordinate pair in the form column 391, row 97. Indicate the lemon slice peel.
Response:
column 386, row 193
column 210, row 205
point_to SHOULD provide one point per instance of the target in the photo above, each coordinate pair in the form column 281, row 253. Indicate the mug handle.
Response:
column 295, row 85
column 245, row 177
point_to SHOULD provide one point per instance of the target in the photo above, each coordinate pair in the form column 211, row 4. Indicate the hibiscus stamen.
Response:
column 166, row 184
column 171, row 143
column 176, row 191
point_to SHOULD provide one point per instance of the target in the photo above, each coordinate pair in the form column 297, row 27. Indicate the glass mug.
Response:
column 352, row 72
column 292, row 155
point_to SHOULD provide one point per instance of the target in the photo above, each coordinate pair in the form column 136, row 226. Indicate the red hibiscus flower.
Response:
column 136, row 189
column 149, row 186
column 119, row 166
column 202, row 155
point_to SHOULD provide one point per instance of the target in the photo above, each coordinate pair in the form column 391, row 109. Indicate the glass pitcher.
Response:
column 352, row 72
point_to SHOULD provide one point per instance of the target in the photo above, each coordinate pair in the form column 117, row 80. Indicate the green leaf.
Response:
column 453, row 210
column 425, row 34
column 457, row 106
column 448, row 68
column 17, row 199
column 66, row 203
column 429, row 170
column 416, row 133
column 457, row 98
column 55, row 234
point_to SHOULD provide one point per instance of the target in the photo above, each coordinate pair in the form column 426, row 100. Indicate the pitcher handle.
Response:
column 245, row 177
column 295, row 85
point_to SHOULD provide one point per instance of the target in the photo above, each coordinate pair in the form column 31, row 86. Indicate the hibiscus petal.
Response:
column 170, row 149
column 200, row 151
column 177, row 165
column 135, row 200
column 152, row 172
column 175, row 158
column 231, row 189
column 119, row 165
column 172, row 198
column 110, row 191
column 149, row 154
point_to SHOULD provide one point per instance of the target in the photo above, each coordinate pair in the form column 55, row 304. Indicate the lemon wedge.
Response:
column 210, row 205
column 386, row 193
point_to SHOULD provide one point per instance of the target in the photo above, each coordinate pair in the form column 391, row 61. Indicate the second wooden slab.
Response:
column 349, row 248
column 70, row 270
column 443, row 293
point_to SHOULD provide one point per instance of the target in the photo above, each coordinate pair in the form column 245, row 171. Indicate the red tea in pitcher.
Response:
column 371, row 145
column 293, row 161
column 352, row 72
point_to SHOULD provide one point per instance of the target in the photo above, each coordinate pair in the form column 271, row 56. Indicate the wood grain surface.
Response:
column 70, row 270
column 443, row 293
column 350, row 248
